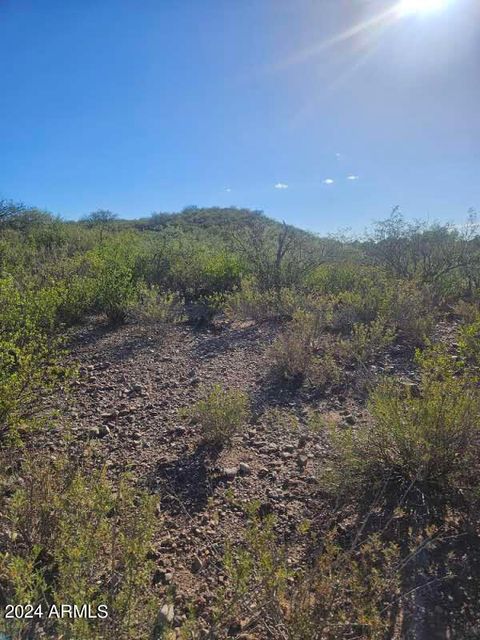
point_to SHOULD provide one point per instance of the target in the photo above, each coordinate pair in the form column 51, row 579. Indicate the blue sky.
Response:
column 153, row 105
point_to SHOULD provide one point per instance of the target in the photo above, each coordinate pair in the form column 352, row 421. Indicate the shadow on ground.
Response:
column 185, row 484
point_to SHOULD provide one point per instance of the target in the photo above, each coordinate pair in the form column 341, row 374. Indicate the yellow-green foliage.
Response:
column 466, row 312
column 469, row 345
column 292, row 353
column 299, row 352
column 338, row 278
column 221, row 414
column 249, row 302
column 155, row 306
column 428, row 437
column 369, row 340
column 75, row 538
column 192, row 266
column 29, row 355
column 114, row 263
column 361, row 294
column 347, row 593
column 409, row 310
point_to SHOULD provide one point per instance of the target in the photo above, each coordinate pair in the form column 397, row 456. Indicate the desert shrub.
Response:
column 116, row 286
column 202, row 272
column 191, row 265
column 469, row 346
column 220, row 415
column 427, row 437
column 333, row 278
column 249, row 302
column 353, row 307
column 368, row 341
column 291, row 355
column 76, row 298
column 75, row 538
column 201, row 312
column 158, row 307
column 325, row 369
column 466, row 312
column 357, row 292
column 29, row 357
column 410, row 311
column 347, row 593
column 302, row 352
column 336, row 278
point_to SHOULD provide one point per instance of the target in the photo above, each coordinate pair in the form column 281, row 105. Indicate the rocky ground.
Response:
column 127, row 402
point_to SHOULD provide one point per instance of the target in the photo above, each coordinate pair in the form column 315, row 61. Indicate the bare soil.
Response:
column 124, row 412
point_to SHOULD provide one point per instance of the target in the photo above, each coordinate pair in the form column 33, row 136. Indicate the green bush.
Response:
column 469, row 346
column 336, row 278
column 75, row 538
column 427, row 437
column 29, row 357
column 158, row 307
column 220, row 415
column 116, row 282
column 410, row 311
column 191, row 266
column 368, row 341
column 347, row 593
column 248, row 302
column 291, row 355
column 302, row 352
column 466, row 312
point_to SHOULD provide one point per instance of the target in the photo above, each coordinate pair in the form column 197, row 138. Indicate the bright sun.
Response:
column 406, row 7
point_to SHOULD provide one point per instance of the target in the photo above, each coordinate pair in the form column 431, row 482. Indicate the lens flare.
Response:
column 408, row 7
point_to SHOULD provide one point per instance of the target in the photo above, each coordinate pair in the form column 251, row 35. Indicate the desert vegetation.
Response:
column 216, row 425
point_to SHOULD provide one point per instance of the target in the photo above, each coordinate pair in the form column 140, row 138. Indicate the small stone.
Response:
column 302, row 461
column 244, row 469
column 197, row 564
column 350, row 419
column 100, row 432
column 230, row 472
column 166, row 614
column 302, row 441
column 109, row 415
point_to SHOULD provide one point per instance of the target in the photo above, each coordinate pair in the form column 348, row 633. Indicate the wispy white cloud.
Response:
column 281, row 185
column 227, row 189
column 328, row 181
column 338, row 155
column 352, row 177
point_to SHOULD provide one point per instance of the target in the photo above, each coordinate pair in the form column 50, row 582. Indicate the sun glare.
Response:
column 408, row 7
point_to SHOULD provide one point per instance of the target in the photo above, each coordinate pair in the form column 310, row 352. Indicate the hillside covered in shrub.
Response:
column 218, row 425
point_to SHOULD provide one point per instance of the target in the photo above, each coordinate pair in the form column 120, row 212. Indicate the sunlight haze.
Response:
column 326, row 114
